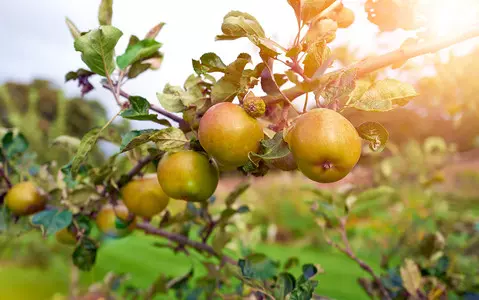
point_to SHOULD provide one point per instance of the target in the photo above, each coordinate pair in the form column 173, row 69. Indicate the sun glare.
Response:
column 445, row 18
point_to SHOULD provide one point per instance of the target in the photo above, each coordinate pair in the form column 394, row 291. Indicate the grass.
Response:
column 136, row 255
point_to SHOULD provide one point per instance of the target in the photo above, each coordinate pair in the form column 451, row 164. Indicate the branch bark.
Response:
column 153, row 107
column 183, row 240
column 5, row 177
column 372, row 64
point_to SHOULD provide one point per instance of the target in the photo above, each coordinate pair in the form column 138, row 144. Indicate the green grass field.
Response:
column 136, row 255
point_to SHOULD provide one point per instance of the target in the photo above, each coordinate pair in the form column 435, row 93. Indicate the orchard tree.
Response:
column 213, row 124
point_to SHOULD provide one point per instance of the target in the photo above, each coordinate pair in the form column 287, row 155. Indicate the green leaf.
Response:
column 209, row 62
column 382, row 95
column 375, row 134
column 224, row 91
column 175, row 99
column 274, row 148
column 84, row 256
column 236, row 193
column 52, row 220
column 304, row 291
column 411, row 277
column 291, row 263
column 284, row 285
column 168, row 139
column 318, row 54
column 73, row 29
column 339, row 86
column 86, row 145
column 258, row 266
column 237, row 24
column 14, row 144
column 135, row 138
column 97, row 48
column 105, row 12
column 136, row 52
column 140, row 110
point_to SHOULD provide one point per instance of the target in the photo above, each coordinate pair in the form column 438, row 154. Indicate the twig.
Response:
column 277, row 86
column 183, row 240
column 305, row 107
column 111, row 87
column 5, row 177
column 153, row 107
column 350, row 253
column 372, row 64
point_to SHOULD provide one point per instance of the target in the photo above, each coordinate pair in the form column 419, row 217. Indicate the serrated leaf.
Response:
column 411, row 277
column 105, row 12
column 84, row 256
column 135, row 138
column 237, row 24
column 285, row 284
column 86, row 145
column 72, row 28
column 258, row 266
column 169, row 139
column 140, row 110
column 318, row 53
column 175, row 99
column 236, row 193
column 97, row 48
column 274, row 148
column 339, row 86
column 52, row 220
column 375, row 134
column 224, row 91
column 137, row 52
column 209, row 62
column 382, row 95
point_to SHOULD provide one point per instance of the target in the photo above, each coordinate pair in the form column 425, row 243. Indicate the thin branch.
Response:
column 5, row 177
column 153, row 107
column 305, row 107
column 183, row 240
column 111, row 87
column 372, row 64
column 277, row 86
column 350, row 253
column 139, row 166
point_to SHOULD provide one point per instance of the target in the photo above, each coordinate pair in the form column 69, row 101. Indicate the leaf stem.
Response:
column 305, row 107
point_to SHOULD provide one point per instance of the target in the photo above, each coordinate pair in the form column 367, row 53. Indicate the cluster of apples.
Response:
column 324, row 146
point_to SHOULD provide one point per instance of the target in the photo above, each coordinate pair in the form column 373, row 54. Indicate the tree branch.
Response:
column 153, row 107
column 372, row 64
column 5, row 177
column 350, row 253
column 183, row 240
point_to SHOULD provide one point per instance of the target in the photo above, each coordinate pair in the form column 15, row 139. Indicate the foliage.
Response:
column 78, row 188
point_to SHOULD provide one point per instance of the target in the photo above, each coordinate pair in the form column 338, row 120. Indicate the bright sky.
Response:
column 36, row 42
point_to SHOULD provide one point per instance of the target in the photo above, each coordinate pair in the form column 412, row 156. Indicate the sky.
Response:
column 37, row 43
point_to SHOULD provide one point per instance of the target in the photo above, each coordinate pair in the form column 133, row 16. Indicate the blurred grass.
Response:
column 137, row 256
